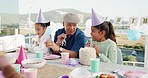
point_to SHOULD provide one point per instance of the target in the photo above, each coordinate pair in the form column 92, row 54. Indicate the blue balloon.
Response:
column 59, row 25
column 48, row 30
column 133, row 35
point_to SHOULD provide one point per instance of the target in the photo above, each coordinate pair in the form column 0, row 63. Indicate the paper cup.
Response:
column 94, row 65
column 1, row 74
column 39, row 54
column 65, row 58
column 16, row 67
column 22, row 70
column 30, row 73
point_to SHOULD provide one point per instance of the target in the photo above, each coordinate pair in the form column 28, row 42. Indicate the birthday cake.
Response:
column 85, row 54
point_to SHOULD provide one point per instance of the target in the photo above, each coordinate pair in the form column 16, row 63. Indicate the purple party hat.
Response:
column 95, row 20
column 40, row 18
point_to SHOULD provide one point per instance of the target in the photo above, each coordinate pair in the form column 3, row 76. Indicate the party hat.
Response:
column 22, row 55
column 40, row 18
column 95, row 20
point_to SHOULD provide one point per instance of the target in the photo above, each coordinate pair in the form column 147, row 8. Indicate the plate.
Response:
column 131, row 73
column 99, row 73
column 51, row 56
column 33, row 63
column 12, row 60
column 11, row 57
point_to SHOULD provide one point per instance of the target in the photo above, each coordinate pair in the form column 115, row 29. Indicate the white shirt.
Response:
column 41, row 44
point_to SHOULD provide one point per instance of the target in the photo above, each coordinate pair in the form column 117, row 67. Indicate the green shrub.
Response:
column 129, row 58
column 136, row 47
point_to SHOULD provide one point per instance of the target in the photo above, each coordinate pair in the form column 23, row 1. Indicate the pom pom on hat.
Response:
column 95, row 20
column 40, row 18
column 71, row 18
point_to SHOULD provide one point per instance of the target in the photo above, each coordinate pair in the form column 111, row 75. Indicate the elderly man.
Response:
column 68, row 39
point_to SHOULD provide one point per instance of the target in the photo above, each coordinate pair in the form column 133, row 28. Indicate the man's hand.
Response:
column 60, row 38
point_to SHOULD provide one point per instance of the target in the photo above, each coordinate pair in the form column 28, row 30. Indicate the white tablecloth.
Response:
column 104, row 67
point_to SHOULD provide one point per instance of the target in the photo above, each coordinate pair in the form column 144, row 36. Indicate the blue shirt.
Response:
column 74, row 42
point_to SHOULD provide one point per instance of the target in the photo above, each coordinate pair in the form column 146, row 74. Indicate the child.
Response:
column 103, row 33
column 42, row 36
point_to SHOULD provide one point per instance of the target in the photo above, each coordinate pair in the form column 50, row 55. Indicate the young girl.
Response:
column 42, row 37
column 106, row 48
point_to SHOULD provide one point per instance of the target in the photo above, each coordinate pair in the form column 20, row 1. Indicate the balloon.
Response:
column 59, row 25
column 54, row 28
column 87, row 32
column 134, row 27
column 133, row 35
column 48, row 30
column 144, row 28
column 88, row 23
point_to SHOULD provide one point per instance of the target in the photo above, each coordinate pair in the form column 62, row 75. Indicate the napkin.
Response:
column 73, row 62
column 51, row 56
column 132, row 73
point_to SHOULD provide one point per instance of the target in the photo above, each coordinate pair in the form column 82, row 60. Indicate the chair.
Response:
column 119, row 56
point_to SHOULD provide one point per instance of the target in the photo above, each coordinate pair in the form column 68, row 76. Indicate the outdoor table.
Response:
column 55, row 68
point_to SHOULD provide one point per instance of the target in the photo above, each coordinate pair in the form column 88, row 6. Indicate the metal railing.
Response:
column 132, row 63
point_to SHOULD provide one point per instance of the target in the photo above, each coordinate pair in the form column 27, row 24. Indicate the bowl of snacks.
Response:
column 104, row 75
column 33, row 63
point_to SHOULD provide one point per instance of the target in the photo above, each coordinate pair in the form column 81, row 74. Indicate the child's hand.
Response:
column 97, row 49
column 23, row 47
column 87, row 44
column 26, row 49
column 51, row 44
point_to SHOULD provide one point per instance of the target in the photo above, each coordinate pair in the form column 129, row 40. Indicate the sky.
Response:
column 9, row 6
column 111, row 8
